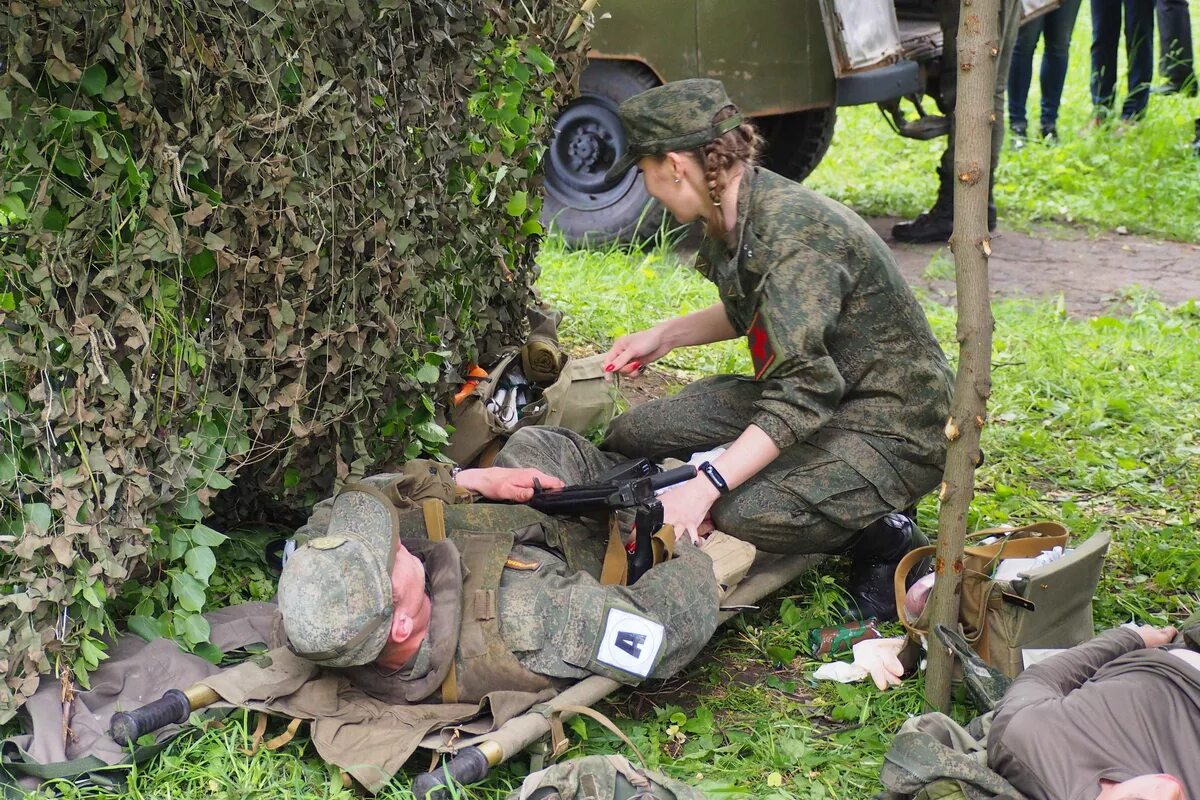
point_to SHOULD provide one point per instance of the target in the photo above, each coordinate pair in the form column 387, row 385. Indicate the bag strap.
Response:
column 558, row 736
column 615, row 571
column 1048, row 536
column 434, row 512
column 900, row 581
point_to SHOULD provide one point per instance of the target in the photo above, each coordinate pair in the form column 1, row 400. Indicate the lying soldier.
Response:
column 409, row 597
column 1116, row 718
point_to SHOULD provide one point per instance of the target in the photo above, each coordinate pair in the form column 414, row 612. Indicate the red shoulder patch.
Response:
column 762, row 349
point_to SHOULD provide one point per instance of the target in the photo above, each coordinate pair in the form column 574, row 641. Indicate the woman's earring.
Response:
column 677, row 180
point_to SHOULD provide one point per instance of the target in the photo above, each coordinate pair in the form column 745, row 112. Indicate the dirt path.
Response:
column 1089, row 272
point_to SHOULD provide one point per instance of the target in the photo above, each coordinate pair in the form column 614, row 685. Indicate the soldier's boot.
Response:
column 874, row 557
column 936, row 224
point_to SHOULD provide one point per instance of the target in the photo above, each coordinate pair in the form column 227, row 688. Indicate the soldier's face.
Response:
column 1144, row 787
column 677, row 181
column 410, row 610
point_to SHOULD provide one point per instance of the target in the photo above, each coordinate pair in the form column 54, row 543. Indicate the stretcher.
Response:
column 468, row 760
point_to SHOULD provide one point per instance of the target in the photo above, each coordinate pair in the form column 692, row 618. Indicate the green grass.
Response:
column 1093, row 423
column 1146, row 179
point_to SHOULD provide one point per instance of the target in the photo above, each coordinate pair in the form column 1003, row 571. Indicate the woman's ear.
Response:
column 677, row 162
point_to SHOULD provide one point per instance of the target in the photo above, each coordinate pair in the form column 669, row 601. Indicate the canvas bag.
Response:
column 579, row 399
column 602, row 778
column 1048, row 607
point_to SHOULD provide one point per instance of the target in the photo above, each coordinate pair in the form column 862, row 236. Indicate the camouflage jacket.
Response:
column 834, row 332
column 554, row 615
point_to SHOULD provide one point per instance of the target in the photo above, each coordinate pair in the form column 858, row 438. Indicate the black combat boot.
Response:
column 936, row 224
column 874, row 557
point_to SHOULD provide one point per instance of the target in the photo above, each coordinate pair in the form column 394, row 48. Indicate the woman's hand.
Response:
column 686, row 507
column 630, row 353
column 506, row 483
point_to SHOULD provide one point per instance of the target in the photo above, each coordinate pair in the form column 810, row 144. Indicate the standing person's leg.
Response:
column 1139, row 52
column 1060, row 23
column 1106, row 35
column 1176, row 58
column 1020, row 74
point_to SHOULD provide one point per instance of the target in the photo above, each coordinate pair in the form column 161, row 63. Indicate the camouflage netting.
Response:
column 240, row 240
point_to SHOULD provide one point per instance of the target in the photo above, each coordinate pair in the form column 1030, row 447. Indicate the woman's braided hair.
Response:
column 718, row 157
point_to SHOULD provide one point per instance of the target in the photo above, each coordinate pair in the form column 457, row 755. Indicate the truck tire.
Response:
column 797, row 142
column 578, row 201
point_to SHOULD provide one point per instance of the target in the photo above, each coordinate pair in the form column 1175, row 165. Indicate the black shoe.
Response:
column 874, row 558
column 1049, row 134
column 935, row 225
column 1020, row 129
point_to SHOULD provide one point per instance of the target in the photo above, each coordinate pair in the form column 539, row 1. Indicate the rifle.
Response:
column 628, row 485
column 985, row 684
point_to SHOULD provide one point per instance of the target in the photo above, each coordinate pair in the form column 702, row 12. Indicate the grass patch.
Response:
column 1146, row 179
column 1093, row 423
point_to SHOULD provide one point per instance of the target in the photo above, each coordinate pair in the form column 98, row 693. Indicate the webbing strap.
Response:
column 435, row 520
column 615, row 571
column 435, row 530
column 558, row 736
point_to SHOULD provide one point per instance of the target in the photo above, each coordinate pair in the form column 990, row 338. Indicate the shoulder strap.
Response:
column 434, row 512
column 615, row 571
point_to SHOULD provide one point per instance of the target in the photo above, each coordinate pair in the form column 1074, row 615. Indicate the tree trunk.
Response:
column 978, row 51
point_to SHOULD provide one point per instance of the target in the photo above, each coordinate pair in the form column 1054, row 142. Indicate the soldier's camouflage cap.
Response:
column 335, row 593
column 671, row 118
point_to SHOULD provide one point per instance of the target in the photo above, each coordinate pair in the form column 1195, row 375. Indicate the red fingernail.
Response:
column 609, row 368
column 635, row 364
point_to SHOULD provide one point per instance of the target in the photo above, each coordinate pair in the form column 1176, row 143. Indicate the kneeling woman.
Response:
column 841, row 422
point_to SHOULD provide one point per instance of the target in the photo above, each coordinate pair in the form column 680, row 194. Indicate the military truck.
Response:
column 789, row 64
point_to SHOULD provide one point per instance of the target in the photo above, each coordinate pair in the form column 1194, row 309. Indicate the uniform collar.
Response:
column 724, row 256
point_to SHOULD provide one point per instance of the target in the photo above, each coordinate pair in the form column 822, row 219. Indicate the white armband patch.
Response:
column 630, row 642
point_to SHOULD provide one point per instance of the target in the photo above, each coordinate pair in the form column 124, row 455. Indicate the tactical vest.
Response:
column 484, row 535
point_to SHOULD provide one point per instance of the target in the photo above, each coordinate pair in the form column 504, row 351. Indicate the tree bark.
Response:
column 978, row 51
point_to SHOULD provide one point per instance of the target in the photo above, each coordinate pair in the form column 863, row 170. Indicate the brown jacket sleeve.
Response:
column 1061, row 674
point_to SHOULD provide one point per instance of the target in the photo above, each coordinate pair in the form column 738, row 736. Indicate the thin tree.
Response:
column 974, row 114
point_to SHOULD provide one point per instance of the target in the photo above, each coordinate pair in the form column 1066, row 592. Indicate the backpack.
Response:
column 602, row 778
column 935, row 758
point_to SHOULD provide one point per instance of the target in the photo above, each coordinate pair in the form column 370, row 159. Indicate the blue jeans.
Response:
column 1139, row 50
column 1055, row 30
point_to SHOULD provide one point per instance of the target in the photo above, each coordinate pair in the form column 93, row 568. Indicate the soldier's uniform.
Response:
column 516, row 604
column 848, row 380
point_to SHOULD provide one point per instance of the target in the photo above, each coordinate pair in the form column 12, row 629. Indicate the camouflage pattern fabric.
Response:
column 848, row 381
column 675, row 117
column 558, row 621
column 602, row 778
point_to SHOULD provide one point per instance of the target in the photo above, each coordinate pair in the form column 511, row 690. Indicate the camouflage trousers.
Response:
column 813, row 498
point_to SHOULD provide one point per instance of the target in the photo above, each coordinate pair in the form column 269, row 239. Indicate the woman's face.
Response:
column 676, row 181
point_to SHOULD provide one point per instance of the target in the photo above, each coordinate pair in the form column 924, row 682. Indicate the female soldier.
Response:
column 841, row 422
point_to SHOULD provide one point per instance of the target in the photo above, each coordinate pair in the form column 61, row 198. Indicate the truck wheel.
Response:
column 797, row 142
column 579, row 202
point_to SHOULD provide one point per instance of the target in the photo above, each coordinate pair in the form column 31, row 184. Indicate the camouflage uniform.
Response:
column 849, row 381
column 553, row 615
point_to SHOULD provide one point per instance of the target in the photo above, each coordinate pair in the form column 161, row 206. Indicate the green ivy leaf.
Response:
column 202, row 264
column 94, row 79
column 202, row 535
column 218, row 481
column 781, row 655
column 191, row 508
column 200, row 563
column 428, row 373
column 8, row 302
column 517, row 203
column 412, row 450
column 68, row 166
column 539, row 59
column 145, row 627
column 194, row 628
column 209, row 652
column 37, row 515
column 188, row 590
column 291, row 478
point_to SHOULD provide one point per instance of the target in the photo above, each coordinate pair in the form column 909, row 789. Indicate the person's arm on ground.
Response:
column 630, row 353
column 1064, row 672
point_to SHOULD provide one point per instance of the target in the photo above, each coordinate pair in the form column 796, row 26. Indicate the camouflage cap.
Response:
column 335, row 593
column 674, row 117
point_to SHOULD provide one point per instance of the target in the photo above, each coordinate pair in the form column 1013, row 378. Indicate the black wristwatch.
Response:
column 714, row 477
